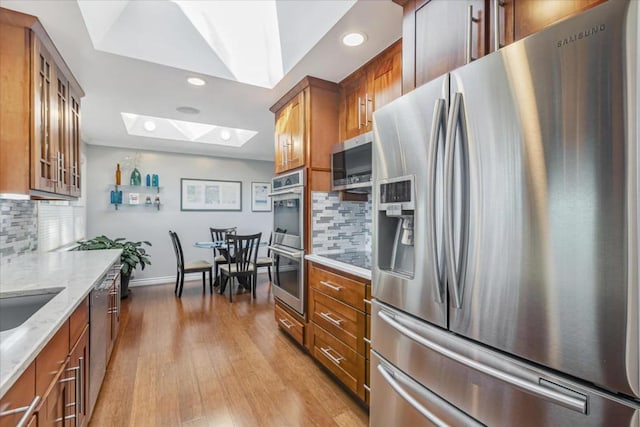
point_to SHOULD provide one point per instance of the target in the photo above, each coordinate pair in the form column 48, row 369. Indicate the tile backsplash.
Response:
column 29, row 226
column 339, row 226
column 18, row 228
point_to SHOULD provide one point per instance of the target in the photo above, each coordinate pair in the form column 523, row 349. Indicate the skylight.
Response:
column 250, row 41
column 180, row 130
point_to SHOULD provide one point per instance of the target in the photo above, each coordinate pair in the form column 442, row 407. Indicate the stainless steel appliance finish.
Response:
column 288, row 245
column 351, row 164
column 402, row 147
column 288, row 278
column 99, row 315
column 459, row 382
column 287, row 200
column 529, row 216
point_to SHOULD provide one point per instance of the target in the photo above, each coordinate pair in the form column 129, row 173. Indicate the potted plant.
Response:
column 132, row 254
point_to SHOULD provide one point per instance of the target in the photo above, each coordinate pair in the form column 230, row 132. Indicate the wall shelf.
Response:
column 139, row 193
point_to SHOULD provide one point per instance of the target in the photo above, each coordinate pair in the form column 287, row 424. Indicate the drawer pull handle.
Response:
column 331, row 286
column 366, row 301
column 367, row 340
column 286, row 323
column 327, row 316
column 327, row 352
column 28, row 411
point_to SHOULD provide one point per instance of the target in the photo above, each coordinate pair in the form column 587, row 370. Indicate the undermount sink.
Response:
column 16, row 309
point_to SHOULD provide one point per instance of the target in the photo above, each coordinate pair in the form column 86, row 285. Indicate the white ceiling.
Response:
column 114, row 83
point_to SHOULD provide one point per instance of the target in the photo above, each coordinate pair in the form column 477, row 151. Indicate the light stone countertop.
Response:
column 342, row 266
column 75, row 272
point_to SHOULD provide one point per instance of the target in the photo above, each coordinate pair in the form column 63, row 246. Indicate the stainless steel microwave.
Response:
column 351, row 164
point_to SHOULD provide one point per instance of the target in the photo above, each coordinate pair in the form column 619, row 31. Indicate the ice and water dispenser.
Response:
column 396, row 211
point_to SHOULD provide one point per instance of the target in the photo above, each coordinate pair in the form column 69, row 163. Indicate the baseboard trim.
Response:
column 150, row 281
column 163, row 280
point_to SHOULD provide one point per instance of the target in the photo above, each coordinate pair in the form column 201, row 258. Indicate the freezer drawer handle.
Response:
column 575, row 401
column 396, row 382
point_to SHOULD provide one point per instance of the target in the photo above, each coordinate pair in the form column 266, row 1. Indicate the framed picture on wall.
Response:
column 260, row 197
column 210, row 195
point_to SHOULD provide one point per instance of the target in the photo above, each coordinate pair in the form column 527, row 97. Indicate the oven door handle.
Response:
column 295, row 255
column 296, row 190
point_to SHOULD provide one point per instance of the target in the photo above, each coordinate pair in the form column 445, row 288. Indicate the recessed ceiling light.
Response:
column 353, row 39
column 188, row 110
column 196, row 81
column 225, row 134
column 149, row 126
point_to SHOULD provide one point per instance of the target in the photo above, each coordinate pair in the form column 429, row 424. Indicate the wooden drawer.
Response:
column 78, row 321
column 341, row 360
column 20, row 395
column 367, row 336
column 342, row 288
column 289, row 324
column 342, row 321
column 51, row 358
column 367, row 299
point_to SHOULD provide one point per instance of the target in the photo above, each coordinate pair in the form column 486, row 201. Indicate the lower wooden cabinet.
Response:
column 338, row 310
column 288, row 323
column 344, row 362
column 57, row 380
column 20, row 396
column 77, row 395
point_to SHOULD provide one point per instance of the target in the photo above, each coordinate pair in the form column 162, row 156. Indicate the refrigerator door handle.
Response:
column 450, row 258
column 574, row 401
column 438, row 123
column 397, row 382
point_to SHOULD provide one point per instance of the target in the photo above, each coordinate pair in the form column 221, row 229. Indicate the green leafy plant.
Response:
column 132, row 252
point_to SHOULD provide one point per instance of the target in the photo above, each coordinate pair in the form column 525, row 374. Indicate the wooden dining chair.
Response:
column 243, row 263
column 220, row 255
column 268, row 260
column 189, row 267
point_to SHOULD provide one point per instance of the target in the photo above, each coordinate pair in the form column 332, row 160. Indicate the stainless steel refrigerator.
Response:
column 506, row 231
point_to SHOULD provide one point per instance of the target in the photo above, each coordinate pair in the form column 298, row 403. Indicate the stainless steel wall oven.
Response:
column 288, row 244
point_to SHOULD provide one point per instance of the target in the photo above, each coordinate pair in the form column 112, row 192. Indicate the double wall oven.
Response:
column 287, row 246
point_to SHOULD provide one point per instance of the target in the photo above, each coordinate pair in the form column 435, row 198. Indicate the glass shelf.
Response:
column 135, row 188
column 141, row 190
column 146, row 205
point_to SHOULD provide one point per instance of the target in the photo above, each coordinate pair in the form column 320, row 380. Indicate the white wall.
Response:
column 146, row 223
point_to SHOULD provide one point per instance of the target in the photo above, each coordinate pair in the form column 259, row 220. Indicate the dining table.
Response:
column 221, row 244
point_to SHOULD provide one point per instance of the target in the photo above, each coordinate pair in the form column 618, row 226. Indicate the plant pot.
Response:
column 124, row 285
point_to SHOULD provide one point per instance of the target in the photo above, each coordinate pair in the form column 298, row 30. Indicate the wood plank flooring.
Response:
column 201, row 361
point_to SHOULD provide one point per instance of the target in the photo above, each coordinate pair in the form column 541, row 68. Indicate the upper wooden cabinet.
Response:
column 441, row 35
column 370, row 87
column 306, row 126
column 39, row 113
column 290, row 135
column 525, row 17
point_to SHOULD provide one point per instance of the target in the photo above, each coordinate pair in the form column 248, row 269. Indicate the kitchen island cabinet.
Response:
column 39, row 113
column 48, row 355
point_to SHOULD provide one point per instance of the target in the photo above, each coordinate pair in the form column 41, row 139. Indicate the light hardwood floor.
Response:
column 201, row 361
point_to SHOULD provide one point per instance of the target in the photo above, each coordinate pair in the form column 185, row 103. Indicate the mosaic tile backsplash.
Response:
column 339, row 226
column 18, row 228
